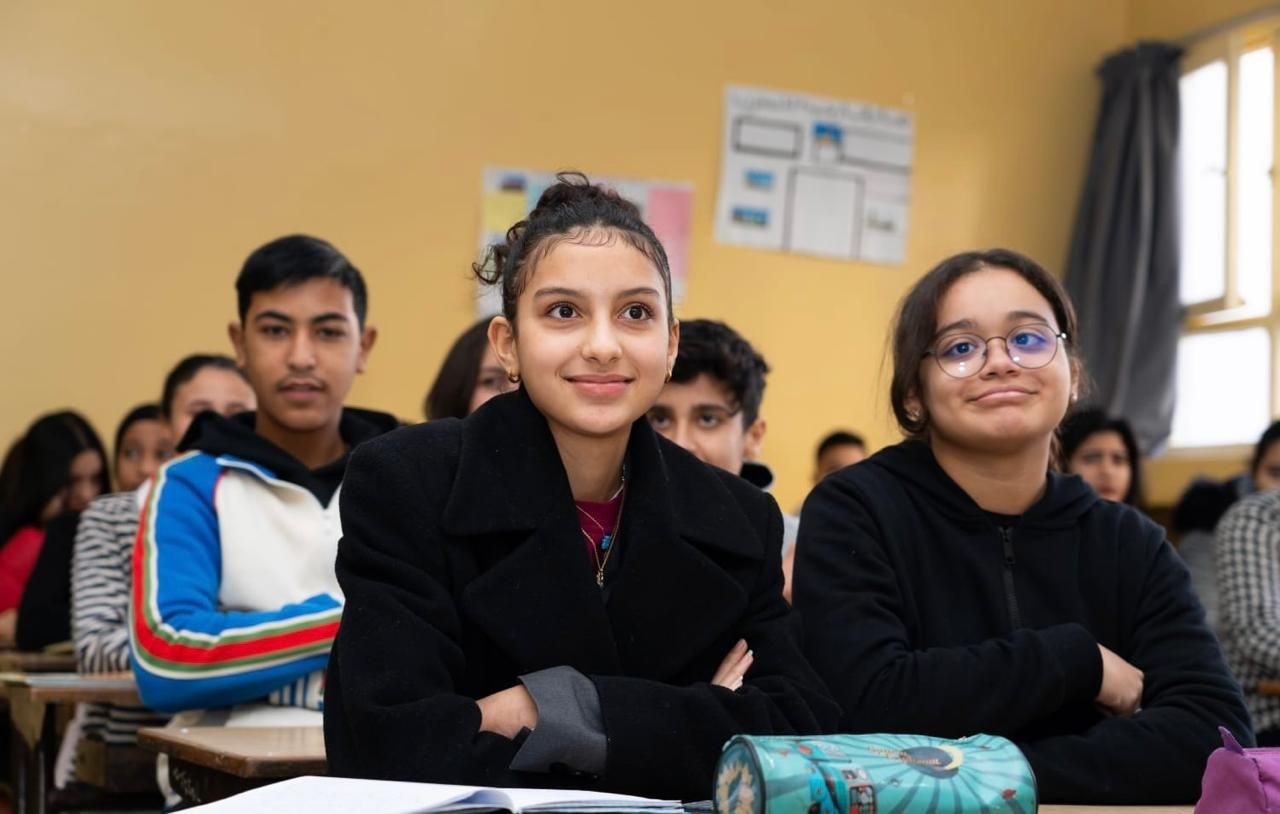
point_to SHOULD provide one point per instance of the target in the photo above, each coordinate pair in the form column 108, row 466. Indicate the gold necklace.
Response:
column 609, row 542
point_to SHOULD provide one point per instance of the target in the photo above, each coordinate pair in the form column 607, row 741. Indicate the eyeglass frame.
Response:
column 986, row 344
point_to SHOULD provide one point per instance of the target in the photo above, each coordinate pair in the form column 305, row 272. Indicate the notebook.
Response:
column 339, row 795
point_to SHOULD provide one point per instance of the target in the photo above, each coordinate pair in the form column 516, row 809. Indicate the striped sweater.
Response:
column 234, row 597
column 100, row 568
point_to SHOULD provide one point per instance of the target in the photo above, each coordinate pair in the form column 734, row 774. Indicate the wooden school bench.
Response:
column 208, row 763
column 32, row 698
column 21, row 661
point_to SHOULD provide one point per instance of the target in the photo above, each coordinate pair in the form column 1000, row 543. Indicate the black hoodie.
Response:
column 926, row 614
column 219, row 435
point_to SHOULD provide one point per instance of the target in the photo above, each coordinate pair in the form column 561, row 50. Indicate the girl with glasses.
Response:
column 952, row 584
column 547, row 592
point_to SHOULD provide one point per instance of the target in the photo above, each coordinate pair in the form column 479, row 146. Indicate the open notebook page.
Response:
column 337, row 795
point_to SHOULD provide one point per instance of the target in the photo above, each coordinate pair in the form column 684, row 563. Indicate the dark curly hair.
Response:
column 713, row 348
column 576, row 210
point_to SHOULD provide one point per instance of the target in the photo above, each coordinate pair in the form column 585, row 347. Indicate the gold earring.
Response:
column 513, row 377
column 668, row 377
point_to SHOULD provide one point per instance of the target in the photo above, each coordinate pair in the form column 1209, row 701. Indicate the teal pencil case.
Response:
column 873, row 774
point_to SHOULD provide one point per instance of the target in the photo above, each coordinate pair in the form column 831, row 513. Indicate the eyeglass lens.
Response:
column 1028, row 346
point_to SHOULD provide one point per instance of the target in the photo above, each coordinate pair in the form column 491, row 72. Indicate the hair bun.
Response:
column 573, row 188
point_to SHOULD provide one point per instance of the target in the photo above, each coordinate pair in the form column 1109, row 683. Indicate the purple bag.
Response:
column 1240, row 781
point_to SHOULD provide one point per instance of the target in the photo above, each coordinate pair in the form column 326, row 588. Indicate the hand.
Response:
column 8, row 626
column 735, row 665
column 1121, row 692
column 506, row 713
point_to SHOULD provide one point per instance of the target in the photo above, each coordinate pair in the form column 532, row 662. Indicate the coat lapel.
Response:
column 511, row 502
column 671, row 600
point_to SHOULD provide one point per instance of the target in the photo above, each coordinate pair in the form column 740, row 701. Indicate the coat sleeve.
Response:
column 392, row 706
column 849, row 596
column 1159, row 754
column 189, row 652
column 664, row 740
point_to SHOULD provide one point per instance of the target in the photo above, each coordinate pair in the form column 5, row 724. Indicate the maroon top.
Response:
column 597, row 519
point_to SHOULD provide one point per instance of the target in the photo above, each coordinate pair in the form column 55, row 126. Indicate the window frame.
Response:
column 1230, row 312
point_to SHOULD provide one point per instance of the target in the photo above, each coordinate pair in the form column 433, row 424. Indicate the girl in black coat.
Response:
column 951, row 585
column 546, row 593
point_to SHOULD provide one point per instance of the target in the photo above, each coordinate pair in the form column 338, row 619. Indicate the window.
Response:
column 1227, row 354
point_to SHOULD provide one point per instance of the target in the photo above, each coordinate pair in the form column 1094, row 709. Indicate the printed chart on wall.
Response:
column 510, row 194
column 814, row 176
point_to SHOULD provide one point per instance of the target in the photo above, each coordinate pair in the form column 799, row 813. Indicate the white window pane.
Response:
column 1253, row 229
column 1203, row 95
column 1223, row 388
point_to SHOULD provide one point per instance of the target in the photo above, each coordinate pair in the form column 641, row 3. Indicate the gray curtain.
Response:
column 1122, row 270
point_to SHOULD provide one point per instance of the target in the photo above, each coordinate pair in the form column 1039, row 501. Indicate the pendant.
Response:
column 600, row 578
column 604, row 542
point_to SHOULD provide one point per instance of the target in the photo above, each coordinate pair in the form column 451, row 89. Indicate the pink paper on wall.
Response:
column 668, row 212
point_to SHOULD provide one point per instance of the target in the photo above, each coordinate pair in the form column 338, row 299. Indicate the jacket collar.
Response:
column 508, row 453
column 678, row 523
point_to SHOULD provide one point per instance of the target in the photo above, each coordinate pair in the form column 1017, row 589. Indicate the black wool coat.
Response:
column 464, row 567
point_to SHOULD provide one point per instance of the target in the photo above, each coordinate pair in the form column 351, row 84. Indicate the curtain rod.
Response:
column 1226, row 25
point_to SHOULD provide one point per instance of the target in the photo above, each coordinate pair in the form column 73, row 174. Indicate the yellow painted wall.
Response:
column 146, row 146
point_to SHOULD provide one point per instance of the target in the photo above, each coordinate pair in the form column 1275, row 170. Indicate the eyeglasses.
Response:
column 1029, row 346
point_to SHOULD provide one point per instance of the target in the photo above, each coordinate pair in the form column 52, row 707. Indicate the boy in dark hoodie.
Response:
column 234, row 595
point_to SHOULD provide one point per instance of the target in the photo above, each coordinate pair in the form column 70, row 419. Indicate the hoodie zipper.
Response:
column 1010, row 597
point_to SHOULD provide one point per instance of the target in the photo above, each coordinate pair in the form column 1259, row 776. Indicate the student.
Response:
column 142, row 443
column 711, row 407
column 44, row 615
column 105, row 536
column 234, row 597
column 548, row 593
column 99, row 561
column 951, row 584
column 57, row 466
column 1204, row 503
column 469, row 376
column 1103, row 451
column 837, row 450
column 1247, row 555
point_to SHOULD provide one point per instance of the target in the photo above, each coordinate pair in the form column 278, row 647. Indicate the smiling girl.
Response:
column 952, row 584
column 547, row 593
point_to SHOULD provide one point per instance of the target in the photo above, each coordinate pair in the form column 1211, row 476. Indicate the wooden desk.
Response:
column 21, row 661
column 208, row 763
column 31, row 699
column 30, row 696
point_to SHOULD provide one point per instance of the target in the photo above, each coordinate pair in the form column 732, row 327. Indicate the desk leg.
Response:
column 197, row 784
column 19, row 761
column 33, row 730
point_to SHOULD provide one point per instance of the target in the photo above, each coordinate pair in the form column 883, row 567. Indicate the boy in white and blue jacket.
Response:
column 234, row 596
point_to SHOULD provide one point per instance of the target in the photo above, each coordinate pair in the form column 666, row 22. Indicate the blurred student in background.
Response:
column 1204, row 503
column 837, row 450
column 469, row 376
column 1102, row 450
column 58, row 465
